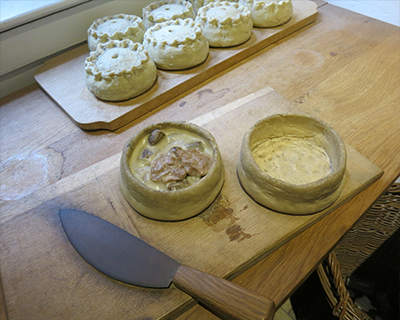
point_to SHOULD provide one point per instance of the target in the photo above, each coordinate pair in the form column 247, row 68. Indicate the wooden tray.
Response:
column 63, row 77
column 40, row 266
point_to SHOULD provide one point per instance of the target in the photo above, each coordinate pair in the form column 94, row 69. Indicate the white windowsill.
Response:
column 16, row 13
column 43, row 34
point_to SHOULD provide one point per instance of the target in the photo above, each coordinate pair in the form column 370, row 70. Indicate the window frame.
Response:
column 14, row 14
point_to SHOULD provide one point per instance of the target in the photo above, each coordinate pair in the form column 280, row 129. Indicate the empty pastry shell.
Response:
column 313, row 139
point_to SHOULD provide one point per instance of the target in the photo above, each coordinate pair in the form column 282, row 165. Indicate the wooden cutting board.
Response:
column 45, row 278
column 63, row 77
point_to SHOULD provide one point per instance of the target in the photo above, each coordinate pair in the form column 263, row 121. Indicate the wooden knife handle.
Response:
column 222, row 297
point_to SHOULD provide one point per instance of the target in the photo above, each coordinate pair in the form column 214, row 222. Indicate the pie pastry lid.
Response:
column 171, row 205
column 197, row 4
column 279, row 195
column 176, row 44
column 115, row 27
column 269, row 13
column 119, row 70
column 165, row 10
column 225, row 23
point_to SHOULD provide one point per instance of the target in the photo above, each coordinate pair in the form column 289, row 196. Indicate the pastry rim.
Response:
column 92, row 31
column 210, row 185
column 244, row 15
column 272, row 8
column 155, row 5
column 90, row 62
column 323, row 191
column 188, row 22
column 266, row 3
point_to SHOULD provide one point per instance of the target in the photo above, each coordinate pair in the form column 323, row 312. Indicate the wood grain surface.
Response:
column 365, row 94
column 343, row 69
column 63, row 77
column 244, row 231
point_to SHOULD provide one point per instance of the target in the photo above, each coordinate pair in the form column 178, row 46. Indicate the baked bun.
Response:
column 165, row 10
column 119, row 70
column 225, row 24
column 115, row 27
column 176, row 45
column 269, row 13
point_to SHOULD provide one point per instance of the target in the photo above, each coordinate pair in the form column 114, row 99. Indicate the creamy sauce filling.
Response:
column 144, row 155
column 293, row 160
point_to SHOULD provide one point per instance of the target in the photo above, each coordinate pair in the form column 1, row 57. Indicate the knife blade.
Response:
column 126, row 258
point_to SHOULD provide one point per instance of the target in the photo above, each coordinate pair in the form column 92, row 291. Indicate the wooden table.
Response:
column 344, row 69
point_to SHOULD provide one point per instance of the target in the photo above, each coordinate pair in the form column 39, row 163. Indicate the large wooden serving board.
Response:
column 45, row 278
column 63, row 77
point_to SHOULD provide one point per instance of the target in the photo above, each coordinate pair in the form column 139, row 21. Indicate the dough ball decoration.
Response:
column 225, row 24
column 165, row 10
column 172, row 160
column 119, row 70
column 269, row 13
column 115, row 27
column 176, row 44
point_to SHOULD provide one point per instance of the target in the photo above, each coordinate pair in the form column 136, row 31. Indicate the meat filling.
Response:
column 171, row 159
column 178, row 164
column 167, row 168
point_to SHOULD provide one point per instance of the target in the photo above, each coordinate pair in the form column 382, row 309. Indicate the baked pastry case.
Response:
column 339, row 67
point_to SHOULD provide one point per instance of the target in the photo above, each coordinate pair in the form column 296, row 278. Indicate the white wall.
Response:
column 384, row 10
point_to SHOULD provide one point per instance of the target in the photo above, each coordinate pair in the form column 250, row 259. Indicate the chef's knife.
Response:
column 126, row 258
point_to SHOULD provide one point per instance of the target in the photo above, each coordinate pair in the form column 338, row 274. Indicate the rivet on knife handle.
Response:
column 222, row 297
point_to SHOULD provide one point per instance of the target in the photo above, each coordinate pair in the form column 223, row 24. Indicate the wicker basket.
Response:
column 375, row 226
